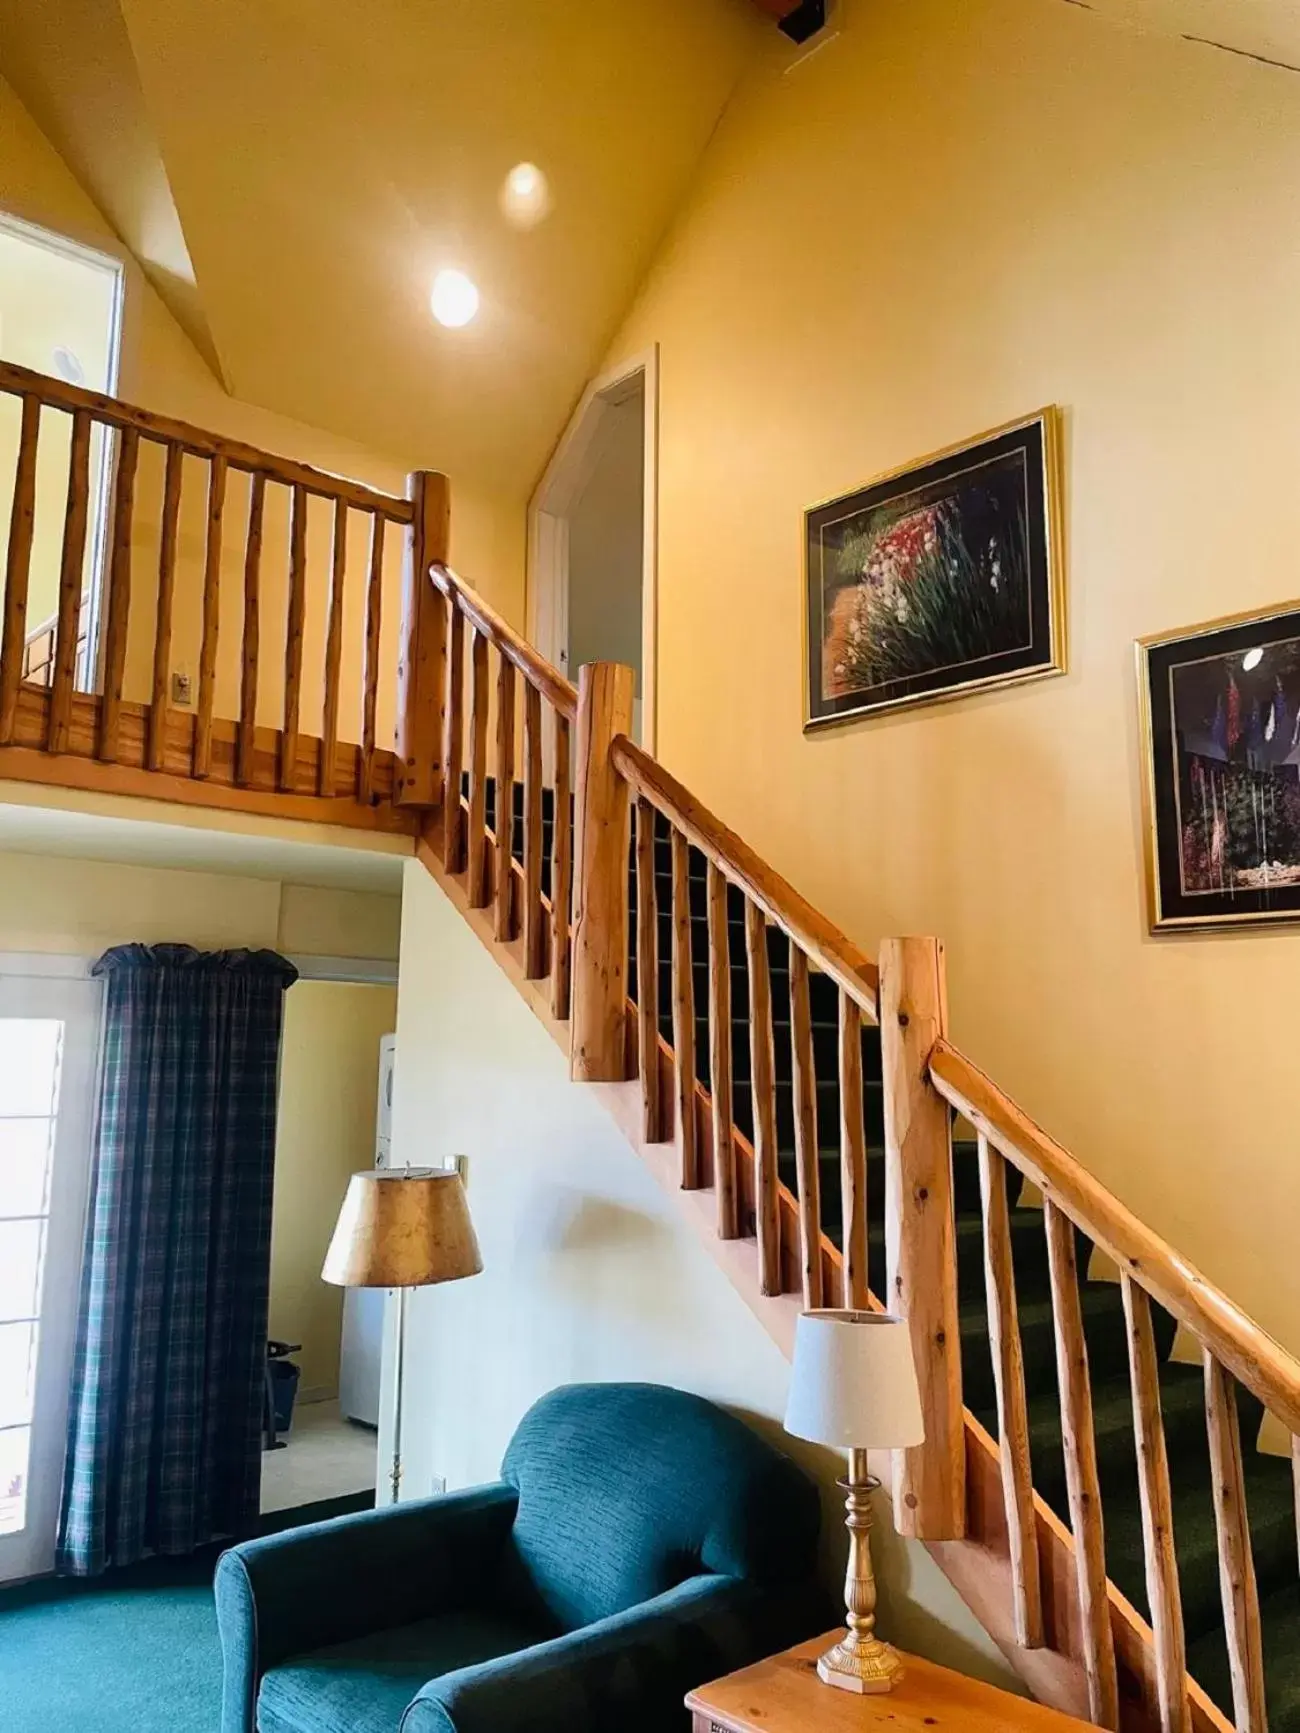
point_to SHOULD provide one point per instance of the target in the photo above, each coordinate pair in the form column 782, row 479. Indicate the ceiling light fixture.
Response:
column 454, row 300
column 525, row 196
column 1252, row 659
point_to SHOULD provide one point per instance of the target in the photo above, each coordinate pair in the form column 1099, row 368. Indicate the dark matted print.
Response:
column 940, row 579
column 1221, row 714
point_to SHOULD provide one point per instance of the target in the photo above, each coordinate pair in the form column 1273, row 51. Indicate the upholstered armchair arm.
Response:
column 630, row 1671
column 333, row 1581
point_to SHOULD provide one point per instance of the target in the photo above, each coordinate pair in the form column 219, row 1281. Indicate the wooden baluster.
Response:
column 71, row 578
column 117, row 617
column 22, row 523
column 160, row 693
column 370, row 679
column 561, row 875
column 684, row 1016
column 329, row 727
column 476, row 885
column 647, row 975
column 453, row 742
column 534, row 925
column 853, row 1157
column 1082, row 1488
column 598, row 1037
column 295, row 624
column 805, row 1130
column 720, row 1073
column 250, row 649
column 201, row 761
column 930, row 1480
column 1009, row 1386
column 503, row 912
column 762, row 1071
column 1157, row 1513
column 420, row 676
column 1236, row 1561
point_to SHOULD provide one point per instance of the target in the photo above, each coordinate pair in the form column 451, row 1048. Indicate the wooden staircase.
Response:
column 1084, row 1480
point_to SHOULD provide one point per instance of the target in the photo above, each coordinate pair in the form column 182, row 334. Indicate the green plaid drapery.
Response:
column 164, row 1449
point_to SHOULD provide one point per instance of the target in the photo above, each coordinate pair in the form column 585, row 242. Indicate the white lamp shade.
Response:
column 854, row 1382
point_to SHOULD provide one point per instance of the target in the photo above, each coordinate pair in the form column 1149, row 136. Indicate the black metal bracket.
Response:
column 805, row 21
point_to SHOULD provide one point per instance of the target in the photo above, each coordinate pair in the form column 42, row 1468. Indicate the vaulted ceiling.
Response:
column 292, row 175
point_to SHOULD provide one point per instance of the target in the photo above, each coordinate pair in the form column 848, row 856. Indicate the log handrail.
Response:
column 1237, row 1341
column 166, row 430
column 562, row 694
column 822, row 942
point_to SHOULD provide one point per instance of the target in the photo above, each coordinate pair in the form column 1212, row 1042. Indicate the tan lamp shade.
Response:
column 403, row 1228
column 854, row 1382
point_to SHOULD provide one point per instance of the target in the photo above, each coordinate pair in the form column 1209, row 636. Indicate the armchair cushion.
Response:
column 364, row 1686
column 629, row 1672
column 626, row 1490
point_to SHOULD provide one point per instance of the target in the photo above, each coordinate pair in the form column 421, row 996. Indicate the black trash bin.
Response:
column 282, row 1375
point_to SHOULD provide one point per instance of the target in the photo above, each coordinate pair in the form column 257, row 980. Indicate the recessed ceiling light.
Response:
column 525, row 195
column 454, row 299
column 1252, row 659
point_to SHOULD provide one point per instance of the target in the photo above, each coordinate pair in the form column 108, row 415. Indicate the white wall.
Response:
column 589, row 1272
column 606, row 544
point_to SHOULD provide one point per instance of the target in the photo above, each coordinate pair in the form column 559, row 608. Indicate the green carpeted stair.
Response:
column 1268, row 1479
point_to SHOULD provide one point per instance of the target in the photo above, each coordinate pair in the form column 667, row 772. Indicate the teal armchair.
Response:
column 640, row 1542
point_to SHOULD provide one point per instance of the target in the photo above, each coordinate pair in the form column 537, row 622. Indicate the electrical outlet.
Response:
column 438, row 1485
column 182, row 689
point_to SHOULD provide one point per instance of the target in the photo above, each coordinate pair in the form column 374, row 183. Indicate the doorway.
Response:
column 49, row 1032
column 593, row 536
column 60, row 314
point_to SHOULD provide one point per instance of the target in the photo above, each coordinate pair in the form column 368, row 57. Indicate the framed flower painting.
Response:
column 1221, row 728
column 939, row 579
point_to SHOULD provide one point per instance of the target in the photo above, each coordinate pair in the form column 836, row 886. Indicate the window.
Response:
column 30, row 1064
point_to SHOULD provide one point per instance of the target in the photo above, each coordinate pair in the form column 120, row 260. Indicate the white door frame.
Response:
column 556, row 493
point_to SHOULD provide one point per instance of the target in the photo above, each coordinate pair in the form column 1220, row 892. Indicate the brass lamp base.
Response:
column 860, row 1662
column 862, row 1667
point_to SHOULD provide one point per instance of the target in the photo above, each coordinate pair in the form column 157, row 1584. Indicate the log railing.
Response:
column 721, row 920
column 259, row 580
column 506, row 765
column 1232, row 1347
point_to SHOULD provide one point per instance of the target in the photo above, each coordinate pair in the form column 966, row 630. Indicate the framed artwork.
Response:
column 942, row 578
column 1221, row 733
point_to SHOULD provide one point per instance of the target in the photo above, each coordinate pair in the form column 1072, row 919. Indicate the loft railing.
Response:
column 272, row 586
column 969, row 1494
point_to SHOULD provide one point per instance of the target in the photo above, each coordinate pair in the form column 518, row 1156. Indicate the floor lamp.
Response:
column 403, row 1228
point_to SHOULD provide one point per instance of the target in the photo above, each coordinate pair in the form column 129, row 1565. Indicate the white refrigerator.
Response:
column 362, row 1348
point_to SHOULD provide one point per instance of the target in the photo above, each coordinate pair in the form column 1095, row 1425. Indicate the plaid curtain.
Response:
column 164, row 1444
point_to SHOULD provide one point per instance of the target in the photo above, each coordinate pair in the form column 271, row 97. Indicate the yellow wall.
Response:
column 948, row 216
column 162, row 370
column 329, row 1074
column 77, row 907
column 590, row 1271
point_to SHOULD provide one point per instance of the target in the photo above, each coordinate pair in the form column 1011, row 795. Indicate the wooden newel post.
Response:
column 598, row 1039
column 920, row 1241
column 421, row 672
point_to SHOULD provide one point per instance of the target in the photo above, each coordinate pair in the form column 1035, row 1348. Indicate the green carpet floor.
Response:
column 134, row 1651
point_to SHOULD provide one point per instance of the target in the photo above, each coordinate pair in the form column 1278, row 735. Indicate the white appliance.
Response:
column 362, row 1348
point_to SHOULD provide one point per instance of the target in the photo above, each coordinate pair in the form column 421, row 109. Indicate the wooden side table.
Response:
column 784, row 1695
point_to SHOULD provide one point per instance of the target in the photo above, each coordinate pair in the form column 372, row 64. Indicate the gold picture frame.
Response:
column 1219, row 725
column 906, row 534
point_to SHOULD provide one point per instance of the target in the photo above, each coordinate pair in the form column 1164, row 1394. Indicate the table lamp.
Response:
column 854, row 1385
column 403, row 1228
